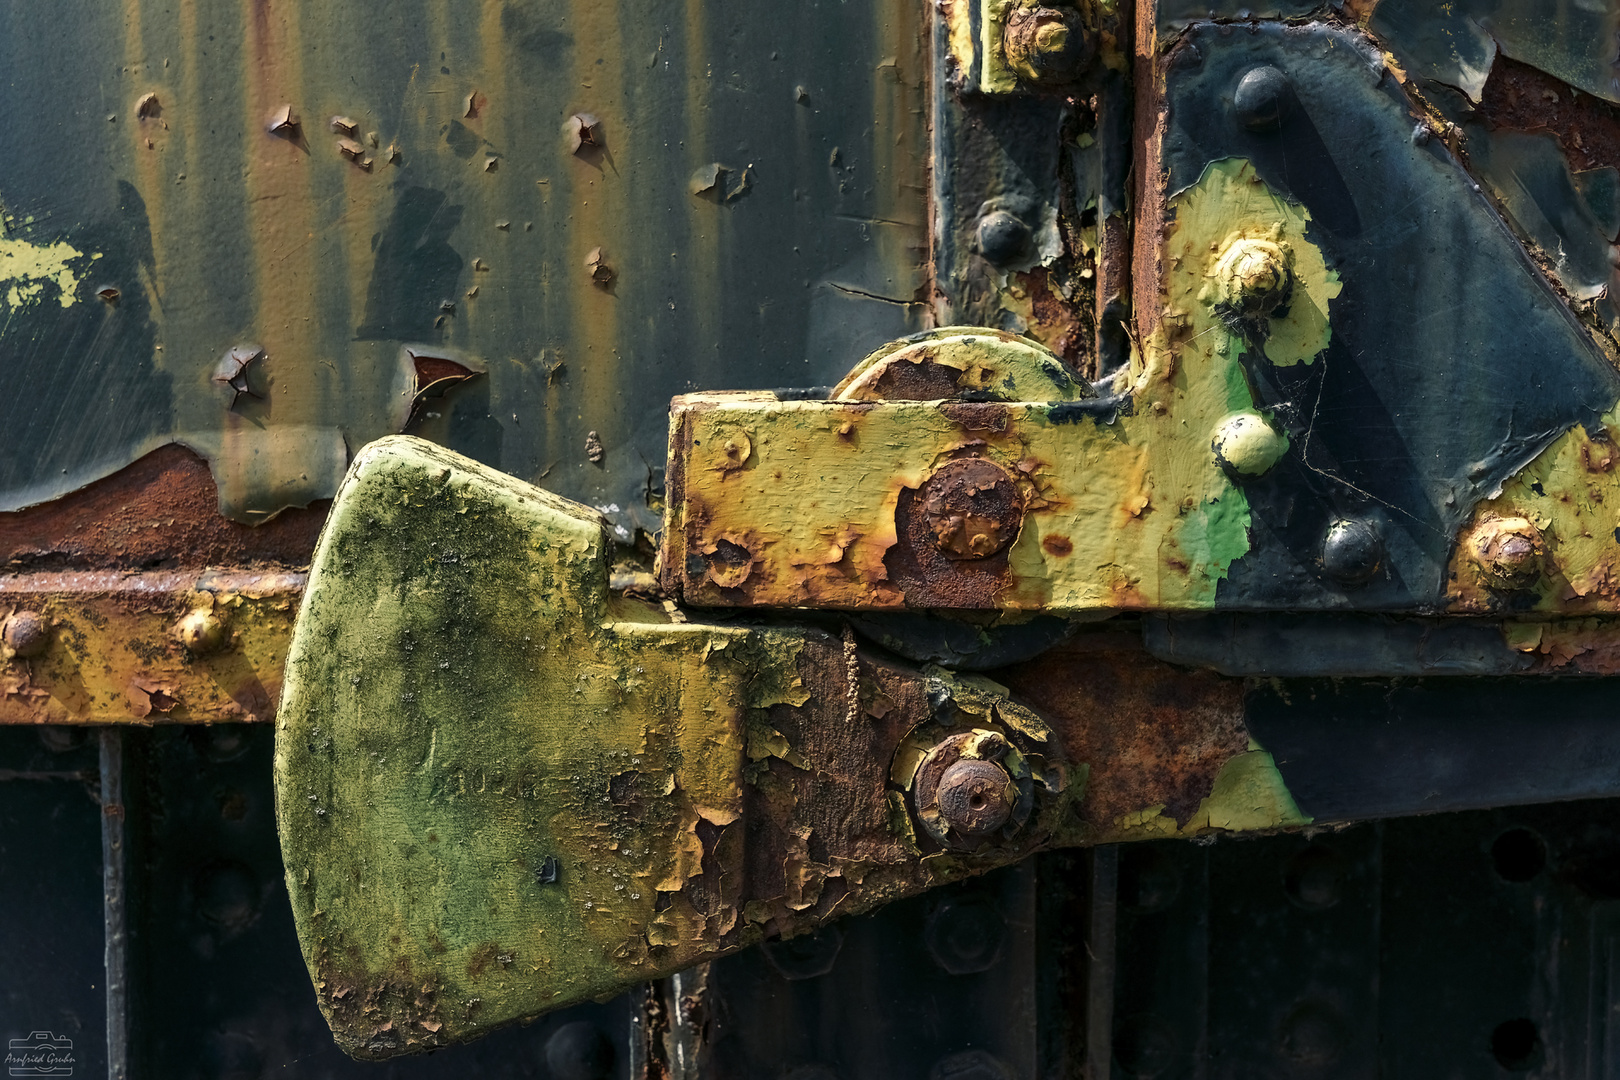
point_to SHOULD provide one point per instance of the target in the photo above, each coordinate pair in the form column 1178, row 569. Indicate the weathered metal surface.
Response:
column 544, row 794
column 1457, row 45
column 1451, row 364
column 211, row 193
column 145, row 647
column 1117, row 509
column 503, row 790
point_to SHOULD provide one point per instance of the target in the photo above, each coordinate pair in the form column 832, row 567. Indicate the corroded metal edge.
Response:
column 159, row 646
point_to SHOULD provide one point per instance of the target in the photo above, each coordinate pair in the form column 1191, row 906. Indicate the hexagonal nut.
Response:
column 965, row 933
column 201, row 631
column 1508, row 551
column 26, row 634
column 806, row 956
column 972, row 786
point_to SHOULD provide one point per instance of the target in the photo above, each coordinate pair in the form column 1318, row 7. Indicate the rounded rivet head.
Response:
column 1253, row 278
column 579, row 1051
column 1261, row 98
column 974, row 508
column 975, row 797
column 1508, row 551
column 1045, row 45
column 1352, row 551
column 200, row 631
column 26, row 634
column 734, row 446
column 1003, row 237
column 1245, row 444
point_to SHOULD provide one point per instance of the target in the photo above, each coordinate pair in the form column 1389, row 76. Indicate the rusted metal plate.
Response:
column 144, row 647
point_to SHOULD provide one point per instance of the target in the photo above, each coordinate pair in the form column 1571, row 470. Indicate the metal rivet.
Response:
column 965, row 933
column 1046, row 45
column 200, row 631
column 1003, row 237
column 807, row 956
column 1507, row 550
column 227, row 895
column 1246, row 445
column 1253, row 278
column 1261, row 98
column 579, row 1051
column 974, row 508
column 26, row 634
column 1313, row 878
column 975, row 797
column 1352, row 551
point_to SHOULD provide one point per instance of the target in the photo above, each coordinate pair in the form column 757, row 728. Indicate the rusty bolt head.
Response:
column 26, row 634
column 1253, row 278
column 1046, row 45
column 1507, row 550
column 975, row 797
column 971, row 786
column 974, row 508
column 200, row 631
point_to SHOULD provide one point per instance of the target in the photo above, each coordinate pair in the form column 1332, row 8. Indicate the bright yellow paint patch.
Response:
column 26, row 269
column 1229, row 203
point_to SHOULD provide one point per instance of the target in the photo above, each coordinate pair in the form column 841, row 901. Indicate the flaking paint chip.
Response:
column 147, row 106
column 596, row 265
column 583, row 132
column 345, row 127
column 593, row 448
column 351, row 149
column 284, row 123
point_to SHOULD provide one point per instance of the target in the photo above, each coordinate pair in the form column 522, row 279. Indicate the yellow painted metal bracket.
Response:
column 502, row 790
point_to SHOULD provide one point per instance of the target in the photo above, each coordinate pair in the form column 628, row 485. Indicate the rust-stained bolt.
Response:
column 200, row 631
column 1046, row 45
column 1352, row 551
column 974, row 508
column 975, row 797
column 25, row 634
column 965, row 789
column 1507, row 550
column 1246, row 444
column 734, row 445
column 1261, row 98
column 1253, row 278
column 1003, row 237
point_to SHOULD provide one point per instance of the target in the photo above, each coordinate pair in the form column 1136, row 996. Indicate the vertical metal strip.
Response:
column 1100, row 969
column 113, row 868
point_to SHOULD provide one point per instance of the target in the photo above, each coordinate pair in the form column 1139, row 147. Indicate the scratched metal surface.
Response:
column 218, row 234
